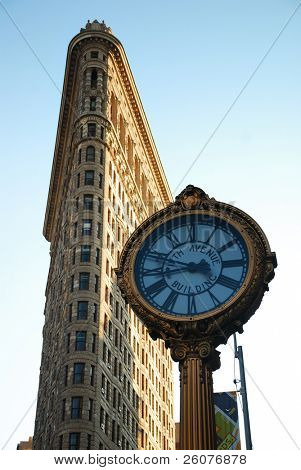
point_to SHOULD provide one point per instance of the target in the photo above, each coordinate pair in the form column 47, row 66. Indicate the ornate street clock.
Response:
column 194, row 273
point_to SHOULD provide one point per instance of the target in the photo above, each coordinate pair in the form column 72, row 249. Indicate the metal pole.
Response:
column 243, row 392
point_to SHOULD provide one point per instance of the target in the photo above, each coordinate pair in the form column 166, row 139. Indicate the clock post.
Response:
column 197, row 361
column 194, row 273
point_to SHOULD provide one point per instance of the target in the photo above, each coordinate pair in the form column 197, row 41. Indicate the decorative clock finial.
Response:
column 191, row 197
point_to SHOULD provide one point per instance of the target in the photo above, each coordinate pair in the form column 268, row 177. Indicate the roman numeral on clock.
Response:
column 170, row 301
column 173, row 239
column 226, row 246
column 192, row 229
column 156, row 288
column 228, row 282
column 191, row 305
column 154, row 255
column 215, row 301
column 233, row 263
column 152, row 272
column 217, row 226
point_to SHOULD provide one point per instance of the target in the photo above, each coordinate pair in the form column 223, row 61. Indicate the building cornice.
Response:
column 118, row 53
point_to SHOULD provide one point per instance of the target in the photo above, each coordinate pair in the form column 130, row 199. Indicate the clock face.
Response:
column 191, row 265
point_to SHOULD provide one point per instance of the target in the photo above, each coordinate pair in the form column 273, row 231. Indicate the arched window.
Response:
column 90, row 154
column 94, row 79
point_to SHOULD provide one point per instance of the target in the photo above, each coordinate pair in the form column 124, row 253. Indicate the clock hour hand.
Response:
column 202, row 267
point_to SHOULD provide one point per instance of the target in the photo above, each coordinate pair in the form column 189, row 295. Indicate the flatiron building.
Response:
column 104, row 383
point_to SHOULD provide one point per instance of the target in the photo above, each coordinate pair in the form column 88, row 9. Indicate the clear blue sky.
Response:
column 190, row 60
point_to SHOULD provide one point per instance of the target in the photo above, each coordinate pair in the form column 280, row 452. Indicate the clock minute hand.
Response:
column 179, row 270
column 173, row 261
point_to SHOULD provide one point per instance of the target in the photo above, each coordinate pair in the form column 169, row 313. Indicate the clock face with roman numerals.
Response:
column 192, row 264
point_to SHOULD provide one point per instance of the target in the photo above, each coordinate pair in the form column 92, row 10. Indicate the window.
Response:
column 99, row 205
column 76, row 407
column 94, row 79
column 108, row 391
column 82, row 310
column 95, row 312
column 102, row 416
column 90, row 154
column 94, row 54
column 84, row 280
column 104, row 352
column 102, row 132
column 114, row 397
column 80, row 340
column 74, row 440
column 93, row 103
column 92, row 375
column 93, row 343
column 72, row 284
column 90, row 409
column 66, row 376
column 100, row 180
column 89, row 177
column 88, row 202
column 98, row 230
column 101, row 157
column 96, row 283
column 70, row 313
column 97, row 259
column 91, row 130
column 107, row 424
column 79, row 156
column 75, row 230
column 68, row 343
column 103, row 381
column 78, row 373
column 73, row 255
column 63, row 409
column 85, row 254
column 78, row 180
column 87, row 227
column 77, row 204
column 118, row 434
column 113, row 430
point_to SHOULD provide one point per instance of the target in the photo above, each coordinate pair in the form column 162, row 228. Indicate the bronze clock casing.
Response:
column 222, row 322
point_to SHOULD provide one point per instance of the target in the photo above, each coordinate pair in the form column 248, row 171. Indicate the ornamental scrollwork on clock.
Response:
column 196, row 269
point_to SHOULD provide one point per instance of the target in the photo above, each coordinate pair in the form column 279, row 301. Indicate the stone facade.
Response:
column 104, row 383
